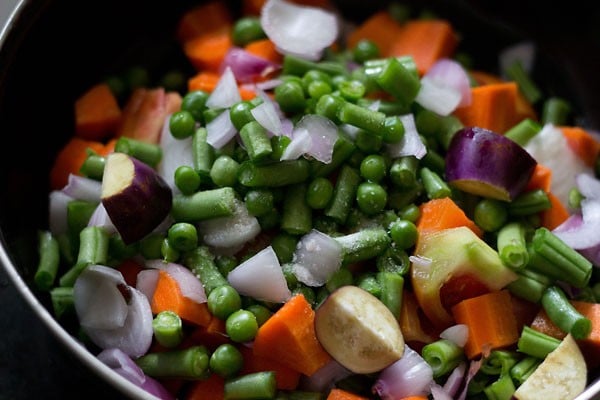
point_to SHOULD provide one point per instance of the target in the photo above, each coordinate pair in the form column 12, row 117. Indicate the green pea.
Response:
column 393, row 130
column 187, row 179
column 182, row 124
column 195, row 103
column 365, row 50
column 240, row 114
column 183, row 236
column 290, row 96
column 246, row 30
column 223, row 301
column 261, row 313
column 403, row 233
column 490, row 214
column 224, row 171
column 373, row 168
column 259, row 202
column 316, row 89
column 241, row 326
column 319, row 193
column 314, row 75
column 226, row 361
column 411, row 212
column 371, row 198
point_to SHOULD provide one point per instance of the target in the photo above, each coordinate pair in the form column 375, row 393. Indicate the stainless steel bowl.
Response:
column 51, row 50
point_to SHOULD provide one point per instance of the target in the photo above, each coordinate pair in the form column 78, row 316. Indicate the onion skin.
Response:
column 485, row 163
column 141, row 199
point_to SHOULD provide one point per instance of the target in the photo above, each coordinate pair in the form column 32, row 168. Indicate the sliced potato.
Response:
column 358, row 330
column 561, row 376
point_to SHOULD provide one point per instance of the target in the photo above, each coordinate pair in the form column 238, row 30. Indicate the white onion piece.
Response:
column 439, row 393
column 175, row 153
column 231, row 231
column 189, row 284
column 457, row 334
column 83, row 188
column 268, row 117
column 57, row 212
column 588, row 186
column 146, row 282
column 299, row 30
column 474, row 367
column 135, row 336
column 220, row 130
column 101, row 219
column 549, row 147
column 123, row 365
column 127, row 328
column 226, row 92
column 411, row 143
column 454, row 381
column 247, row 67
column 261, row 277
column 325, row 378
column 300, row 144
column 523, row 52
column 448, row 73
column 268, row 84
column 316, row 258
column 323, row 135
column 409, row 376
column 99, row 303
column 437, row 97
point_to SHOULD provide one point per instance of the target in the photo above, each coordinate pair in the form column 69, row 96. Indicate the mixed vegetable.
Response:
column 348, row 212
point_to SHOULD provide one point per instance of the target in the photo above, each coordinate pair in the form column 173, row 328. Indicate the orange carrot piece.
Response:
column 211, row 388
column 556, row 214
column 144, row 115
column 493, row 107
column 288, row 336
column 438, row 214
column 70, row 159
column 286, row 377
column 586, row 146
column 590, row 346
column 340, row 394
column 426, row 41
column 208, row 51
column 415, row 398
column 204, row 80
column 540, row 179
column 173, row 102
column 380, row 28
column 168, row 297
column 97, row 113
column 212, row 16
column 130, row 269
column 264, row 48
column 491, row 323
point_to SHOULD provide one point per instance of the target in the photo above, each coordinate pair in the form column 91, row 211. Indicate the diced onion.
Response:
column 57, row 207
column 247, row 67
column 438, row 393
column 313, row 136
column 299, row 30
column 316, row 258
column 409, row 376
column 226, row 92
column 524, row 52
column 146, row 282
column 454, row 381
column 220, row 130
column 448, row 73
column 175, row 153
column 457, row 334
column 325, row 378
column 300, row 144
column 261, row 277
column 100, row 218
column 437, row 97
column 411, row 143
column 83, row 188
column 267, row 116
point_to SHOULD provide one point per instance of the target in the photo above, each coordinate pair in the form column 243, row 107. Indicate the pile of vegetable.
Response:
column 346, row 212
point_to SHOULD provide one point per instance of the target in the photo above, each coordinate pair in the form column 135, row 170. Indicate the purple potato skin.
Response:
column 141, row 206
column 488, row 164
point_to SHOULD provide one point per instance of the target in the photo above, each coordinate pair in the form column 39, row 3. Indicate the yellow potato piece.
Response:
column 561, row 376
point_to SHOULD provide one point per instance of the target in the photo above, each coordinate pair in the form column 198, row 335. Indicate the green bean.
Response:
column 62, row 300
column 524, row 368
column 535, row 343
column 93, row 249
column 148, row 153
column 168, row 329
column 399, row 81
column 190, row 363
column 555, row 111
column 563, row 314
column 49, row 260
column 394, row 260
column 168, row 252
column 529, row 285
column 434, row 185
column 531, row 202
column 511, row 245
column 502, row 389
column 93, row 166
column 442, row 356
column 527, row 87
column 522, row 132
column 259, row 202
column 392, row 286
column 403, row 171
column 341, row 277
column 257, row 385
column 284, row 245
column 202, row 263
column 362, row 245
column 296, row 218
column 499, row 362
column 202, row 153
column 204, row 205
column 277, row 174
column 344, row 194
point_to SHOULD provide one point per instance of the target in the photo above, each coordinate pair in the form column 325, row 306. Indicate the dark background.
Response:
column 32, row 363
